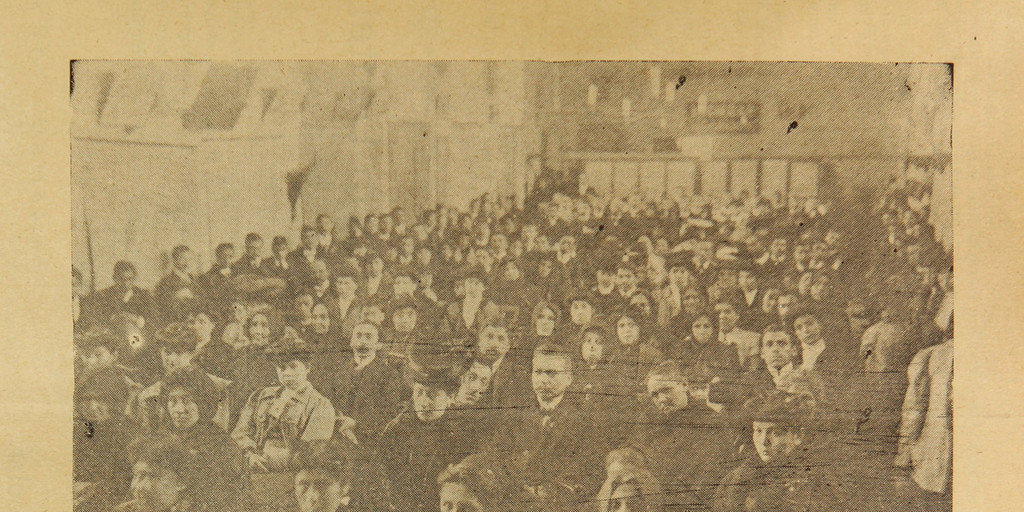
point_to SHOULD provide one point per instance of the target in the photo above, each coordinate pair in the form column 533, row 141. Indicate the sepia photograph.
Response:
column 511, row 285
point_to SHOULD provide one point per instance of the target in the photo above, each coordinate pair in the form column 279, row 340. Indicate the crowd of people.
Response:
column 580, row 353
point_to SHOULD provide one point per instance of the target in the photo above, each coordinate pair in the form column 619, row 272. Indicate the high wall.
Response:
column 199, row 153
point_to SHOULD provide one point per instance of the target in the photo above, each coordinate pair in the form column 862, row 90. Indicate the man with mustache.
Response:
column 552, row 445
column 508, row 387
column 364, row 386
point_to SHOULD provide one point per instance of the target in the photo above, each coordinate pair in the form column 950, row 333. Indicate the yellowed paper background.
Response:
column 985, row 40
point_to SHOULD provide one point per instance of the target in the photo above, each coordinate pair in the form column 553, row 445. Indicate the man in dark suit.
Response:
column 364, row 386
column 250, row 261
column 302, row 258
column 751, row 315
column 688, row 445
column 552, row 446
column 178, row 285
column 123, row 296
column 216, row 282
column 277, row 264
column 509, row 386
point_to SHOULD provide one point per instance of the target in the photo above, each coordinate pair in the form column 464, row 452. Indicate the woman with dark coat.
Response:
column 190, row 399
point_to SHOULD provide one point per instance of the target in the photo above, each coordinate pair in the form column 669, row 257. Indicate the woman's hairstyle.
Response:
column 537, row 309
column 198, row 385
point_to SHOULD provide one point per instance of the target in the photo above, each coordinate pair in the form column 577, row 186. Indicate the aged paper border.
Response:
column 37, row 40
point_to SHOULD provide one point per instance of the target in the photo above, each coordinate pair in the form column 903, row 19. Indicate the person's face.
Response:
column 529, row 232
column 319, row 491
column 404, row 285
column 238, row 311
column 704, row 250
column 581, row 312
column 545, row 324
column 372, row 314
column 225, row 256
column 511, row 272
column 499, row 242
column 473, row 384
column 259, row 329
column 786, row 303
column 423, row 256
column 775, row 444
column 552, row 375
column 372, row 225
column 801, row 253
column 592, row 348
column 640, row 301
column 430, row 403
column 310, row 239
column 280, row 249
column 304, row 305
column 778, row 349
column 365, row 340
column 474, row 287
column 320, row 319
column 182, row 409
column 625, row 278
column 668, row 395
column 174, row 360
column 426, row 280
column 404, row 320
column 605, row 279
column 346, row 286
column 125, row 279
column 626, row 498
column 98, row 357
column 627, row 330
column 819, row 250
column 155, row 489
column 778, row 248
column 727, row 317
column 325, row 224
column 94, row 410
column 184, row 261
column 293, row 375
column 747, row 280
column 492, row 344
column 484, row 258
column 320, row 271
column 457, row 497
column 408, row 245
column 202, row 325
column 820, row 288
column 703, row 330
column 692, row 300
column 770, row 301
column 728, row 278
column 377, row 265
column 804, row 285
column 253, row 248
column 858, row 318
column 808, row 329
column 680, row 277
column 567, row 244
